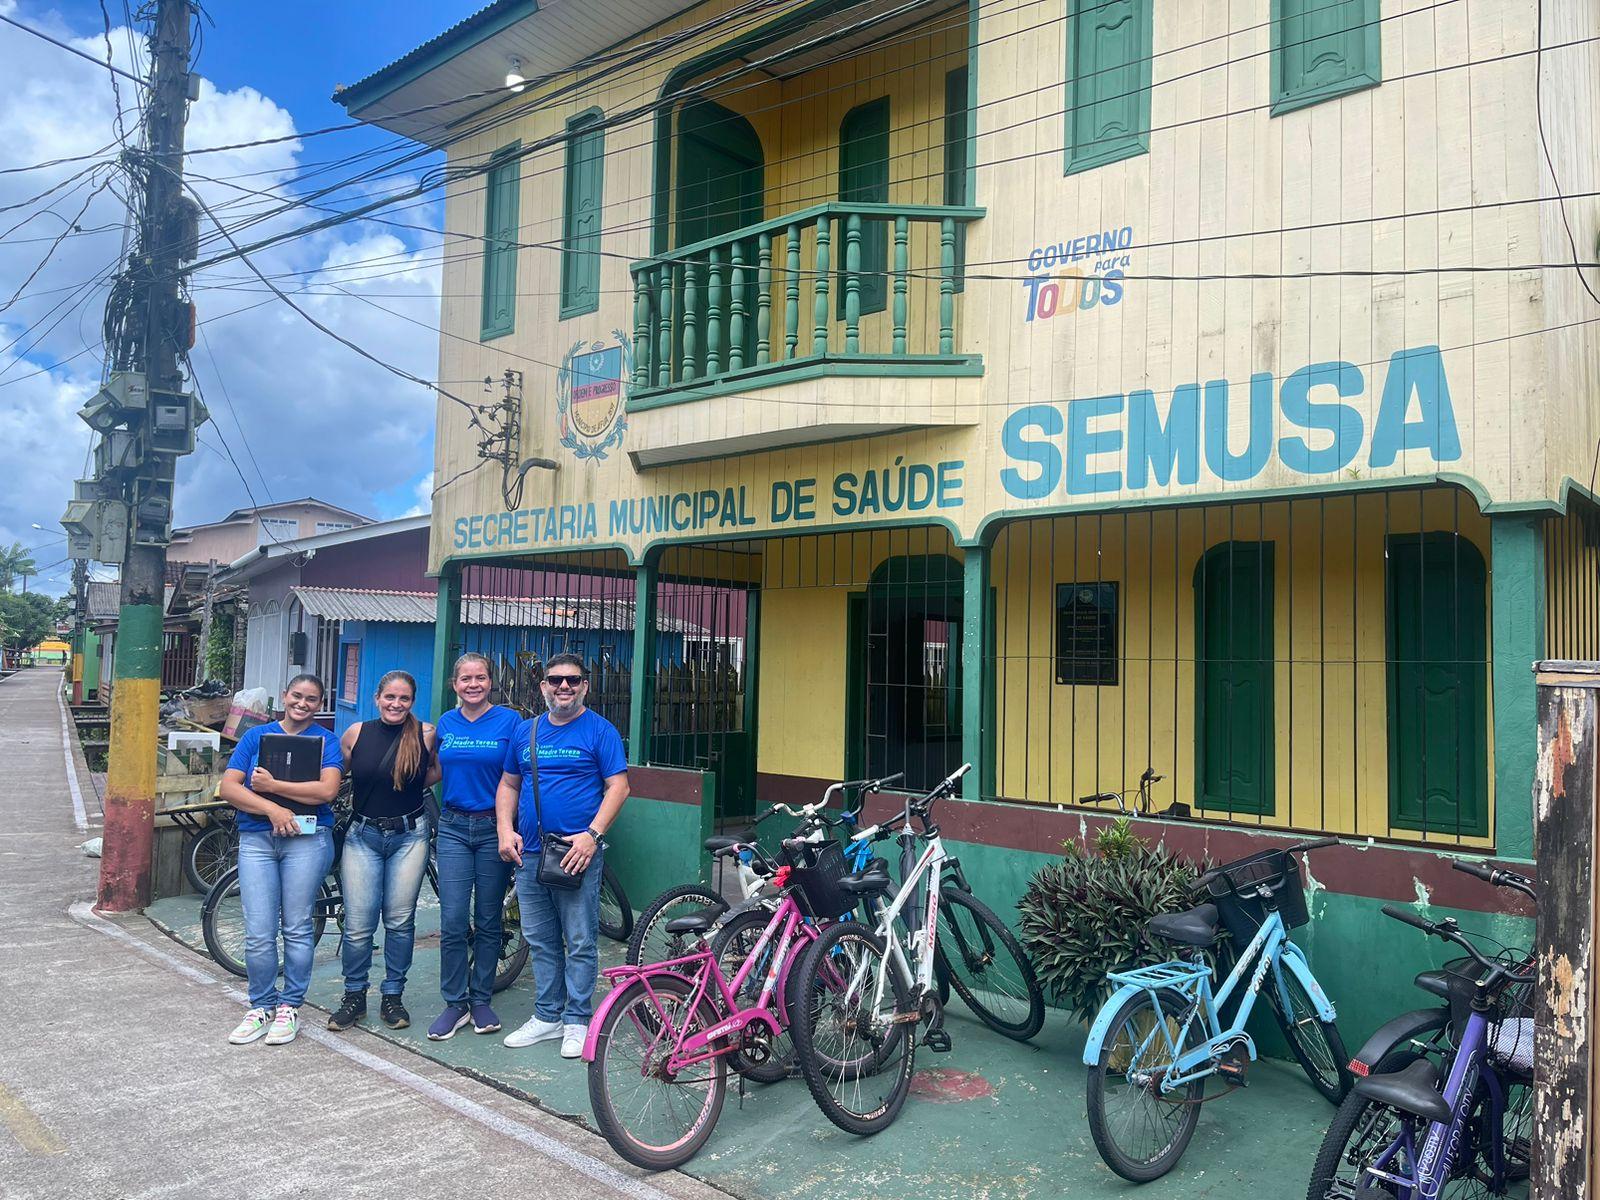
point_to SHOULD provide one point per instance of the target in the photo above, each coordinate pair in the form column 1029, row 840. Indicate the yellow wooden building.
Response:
column 1075, row 388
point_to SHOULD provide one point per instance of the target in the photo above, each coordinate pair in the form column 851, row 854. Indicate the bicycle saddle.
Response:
column 871, row 879
column 1436, row 982
column 1196, row 927
column 721, row 844
column 695, row 922
column 1414, row 1090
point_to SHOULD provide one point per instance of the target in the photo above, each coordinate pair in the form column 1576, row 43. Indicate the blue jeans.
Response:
column 278, row 882
column 562, row 926
column 381, row 871
column 472, row 877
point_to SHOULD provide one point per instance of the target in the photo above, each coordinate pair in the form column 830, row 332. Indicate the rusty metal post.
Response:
column 1564, row 796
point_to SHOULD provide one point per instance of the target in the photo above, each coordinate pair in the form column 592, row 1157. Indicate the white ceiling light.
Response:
column 514, row 79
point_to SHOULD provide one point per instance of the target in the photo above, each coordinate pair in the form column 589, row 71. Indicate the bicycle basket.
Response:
column 1231, row 886
column 816, row 885
column 1510, row 1036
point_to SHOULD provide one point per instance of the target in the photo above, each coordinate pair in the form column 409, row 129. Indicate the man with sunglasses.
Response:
column 583, row 782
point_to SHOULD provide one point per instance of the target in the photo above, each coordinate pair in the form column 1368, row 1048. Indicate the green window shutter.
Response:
column 1109, row 48
column 500, row 238
column 864, row 179
column 957, row 130
column 580, row 215
column 1322, row 49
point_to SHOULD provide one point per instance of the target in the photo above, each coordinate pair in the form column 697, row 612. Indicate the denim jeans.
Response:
column 472, row 878
column 562, row 926
column 278, row 882
column 381, row 871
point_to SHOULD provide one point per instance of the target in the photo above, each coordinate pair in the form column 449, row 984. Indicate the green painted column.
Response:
column 642, row 678
column 446, row 637
column 1516, row 575
column 974, row 656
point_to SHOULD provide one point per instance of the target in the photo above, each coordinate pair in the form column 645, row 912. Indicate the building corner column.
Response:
column 641, row 677
column 446, row 636
column 1517, row 592
column 975, row 657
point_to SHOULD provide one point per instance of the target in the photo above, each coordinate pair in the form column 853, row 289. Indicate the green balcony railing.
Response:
column 800, row 295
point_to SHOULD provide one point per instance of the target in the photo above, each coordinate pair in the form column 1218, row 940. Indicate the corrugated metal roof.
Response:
column 104, row 600
column 542, row 612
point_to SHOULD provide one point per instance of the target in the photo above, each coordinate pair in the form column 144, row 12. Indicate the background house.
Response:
column 244, row 529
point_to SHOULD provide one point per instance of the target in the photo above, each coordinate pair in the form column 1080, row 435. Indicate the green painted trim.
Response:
column 1287, row 99
column 1478, row 824
column 857, row 366
column 1516, row 618
column 855, row 685
column 850, row 141
column 975, row 652
column 708, row 819
column 1129, row 147
column 507, row 158
column 446, row 637
column 431, row 55
column 803, row 216
column 752, row 681
column 578, row 127
column 1267, row 804
column 642, row 681
column 138, row 648
column 973, row 41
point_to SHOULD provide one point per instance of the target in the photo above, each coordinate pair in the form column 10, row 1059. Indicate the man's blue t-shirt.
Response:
column 470, row 755
column 574, row 761
column 248, row 751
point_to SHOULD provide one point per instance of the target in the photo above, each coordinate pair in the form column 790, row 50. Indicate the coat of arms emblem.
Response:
column 589, row 392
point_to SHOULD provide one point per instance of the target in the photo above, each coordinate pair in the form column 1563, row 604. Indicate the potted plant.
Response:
column 1085, row 915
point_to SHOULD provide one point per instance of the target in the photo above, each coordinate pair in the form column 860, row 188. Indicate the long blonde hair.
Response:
column 408, row 758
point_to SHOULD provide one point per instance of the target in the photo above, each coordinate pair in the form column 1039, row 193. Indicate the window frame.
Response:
column 580, row 267
column 1286, row 99
column 503, row 158
column 1100, row 154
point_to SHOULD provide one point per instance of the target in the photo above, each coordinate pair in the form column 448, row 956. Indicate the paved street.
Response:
column 118, row 1081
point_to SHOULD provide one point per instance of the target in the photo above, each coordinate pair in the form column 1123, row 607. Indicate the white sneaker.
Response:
column 255, row 1023
column 572, row 1039
column 284, row 1026
column 531, row 1031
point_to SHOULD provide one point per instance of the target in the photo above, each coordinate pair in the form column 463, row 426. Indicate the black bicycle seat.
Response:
column 695, row 922
column 1195, row 927
column 1414, row 1090
column 721, row 844
column 873, row 879
column 1436, row 982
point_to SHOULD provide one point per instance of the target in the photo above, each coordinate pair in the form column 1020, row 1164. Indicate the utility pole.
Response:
column 126, row 862
column 80, row 623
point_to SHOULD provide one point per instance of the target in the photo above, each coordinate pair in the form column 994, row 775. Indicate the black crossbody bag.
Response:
column 552, row 849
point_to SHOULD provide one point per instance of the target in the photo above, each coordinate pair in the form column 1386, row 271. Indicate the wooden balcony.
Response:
column 838, row 289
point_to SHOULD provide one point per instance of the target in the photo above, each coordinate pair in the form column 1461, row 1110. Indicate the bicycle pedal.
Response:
column 1233, row 1070
column 937, row 1040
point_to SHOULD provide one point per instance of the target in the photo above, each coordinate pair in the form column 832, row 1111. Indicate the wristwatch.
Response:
column 594, row 833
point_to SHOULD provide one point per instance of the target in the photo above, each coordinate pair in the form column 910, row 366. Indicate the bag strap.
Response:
column 533, row 768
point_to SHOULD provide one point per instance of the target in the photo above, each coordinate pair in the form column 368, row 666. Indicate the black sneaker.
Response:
column 351, row 1010
column 393, row 1013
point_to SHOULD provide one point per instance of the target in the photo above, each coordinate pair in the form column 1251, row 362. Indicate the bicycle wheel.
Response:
column 987, row 966
column 513, row 946
column 857, row 1055
column 616, row 917
column 764, row 1061
column 652, row 1118
column 1140, row 1131
column 222, row 920
column 650, row 942
column 1316, row 1043
column 210, row 854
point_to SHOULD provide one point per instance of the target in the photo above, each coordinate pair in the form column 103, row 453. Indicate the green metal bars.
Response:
column 705, row 313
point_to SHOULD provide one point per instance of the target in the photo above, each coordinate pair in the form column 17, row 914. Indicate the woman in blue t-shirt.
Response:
column 472, row 739
column 285, row 850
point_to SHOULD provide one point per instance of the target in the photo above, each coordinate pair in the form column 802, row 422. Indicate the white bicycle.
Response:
column 871, row 986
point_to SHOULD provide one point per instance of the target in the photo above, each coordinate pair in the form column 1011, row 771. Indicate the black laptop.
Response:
column 292, row 757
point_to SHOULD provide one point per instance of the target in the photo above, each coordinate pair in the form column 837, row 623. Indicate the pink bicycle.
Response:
column 660, row 1045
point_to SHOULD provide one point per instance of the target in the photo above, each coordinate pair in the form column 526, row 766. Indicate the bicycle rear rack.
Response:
column 1175, row 974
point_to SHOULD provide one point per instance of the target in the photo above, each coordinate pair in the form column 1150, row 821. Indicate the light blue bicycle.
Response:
column 1160, row 1036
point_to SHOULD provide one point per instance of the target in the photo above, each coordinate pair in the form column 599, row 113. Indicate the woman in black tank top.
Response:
column 386, row 849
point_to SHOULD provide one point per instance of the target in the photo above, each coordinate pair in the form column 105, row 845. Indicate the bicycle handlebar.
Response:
column 1498, row 876
column 1446, row 931
column 1317, row 844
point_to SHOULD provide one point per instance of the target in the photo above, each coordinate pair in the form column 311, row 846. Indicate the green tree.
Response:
column 17, row 560
column 28, row 618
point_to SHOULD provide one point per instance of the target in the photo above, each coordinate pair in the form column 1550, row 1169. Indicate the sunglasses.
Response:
column 566, row 681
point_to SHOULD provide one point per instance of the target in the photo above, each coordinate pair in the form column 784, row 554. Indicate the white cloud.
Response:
column 316, row 418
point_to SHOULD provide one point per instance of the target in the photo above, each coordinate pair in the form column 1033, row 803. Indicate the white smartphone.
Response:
column 306, row 824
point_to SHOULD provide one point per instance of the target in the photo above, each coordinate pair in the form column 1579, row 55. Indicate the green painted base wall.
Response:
column 1364, row 960
column 656, row 845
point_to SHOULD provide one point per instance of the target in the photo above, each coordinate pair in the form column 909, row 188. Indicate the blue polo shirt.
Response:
column 470, row 755
column 574, row 761
column 248, row 752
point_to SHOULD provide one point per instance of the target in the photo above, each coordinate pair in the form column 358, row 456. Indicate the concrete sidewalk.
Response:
column 117, row 1080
